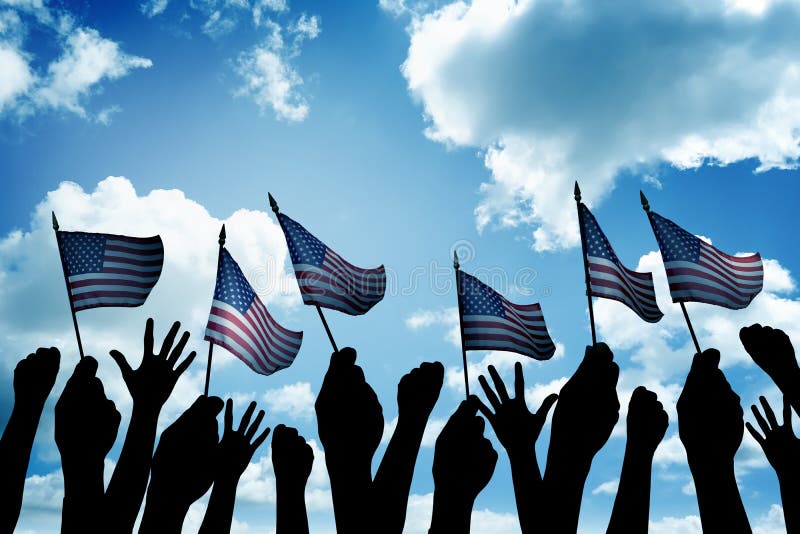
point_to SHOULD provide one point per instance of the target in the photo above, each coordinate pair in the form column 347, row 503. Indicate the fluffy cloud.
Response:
column 418, row 518
column 771, row 522
column 555, row 90
column 607, row 488
column 295, row 400
column 432, row 431
column 86, row 60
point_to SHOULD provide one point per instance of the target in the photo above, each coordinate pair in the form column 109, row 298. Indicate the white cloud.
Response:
column 295, row 400
column 306, row 27
column 432, row 431
column 502, row 361
column 217, row 26
column 15, row 76
column 261, row 6
column 447, row 317
column 556, row 90
column 151, row 8
column 771, row 522
column 607, row 488
column 653, row 180
column 484, row 521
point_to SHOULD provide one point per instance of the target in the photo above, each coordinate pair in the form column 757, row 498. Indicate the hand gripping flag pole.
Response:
column 646, row 207
column 461, row 322
column 274, row 205
column 66, row 281
column 221, row 242
column 585, row 263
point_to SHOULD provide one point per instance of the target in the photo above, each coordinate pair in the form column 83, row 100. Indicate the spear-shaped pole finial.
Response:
column 55, row 221
column 645, row 203
column 273, row 204
column 455, row 260
column 577, row 192
column 222, row 236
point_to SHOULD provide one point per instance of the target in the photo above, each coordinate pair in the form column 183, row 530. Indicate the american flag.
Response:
column 325, row 278
column 609, row 278
column 240, row 322
column 109, row 270
column 490, row 322
column 698, row 272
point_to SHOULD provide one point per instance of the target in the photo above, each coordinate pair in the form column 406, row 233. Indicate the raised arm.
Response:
column 417, row 393
column 772, row 350
column 34, row 377
column 711, row 425
column 150, row 385
column 236, row 448
column 292, row 460
column 517, row 429
column 647, row 424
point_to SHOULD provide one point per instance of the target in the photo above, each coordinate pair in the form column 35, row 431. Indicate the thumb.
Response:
column 547, row 403
column 122, row 363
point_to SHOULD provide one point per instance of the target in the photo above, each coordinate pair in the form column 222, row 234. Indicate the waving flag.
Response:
column 698, row 272
column 609, row 278
column 490, row 322
column 325, row 278
column 240, row 322
column 109, row 270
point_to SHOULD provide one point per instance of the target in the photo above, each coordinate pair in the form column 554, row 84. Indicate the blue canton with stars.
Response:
column 232, row 287
column 304, row 248
column 83, row 253
column 597, row 244
column 676, row 244
column 479, row 299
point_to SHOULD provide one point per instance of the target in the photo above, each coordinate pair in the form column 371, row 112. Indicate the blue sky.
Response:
column 397, row 131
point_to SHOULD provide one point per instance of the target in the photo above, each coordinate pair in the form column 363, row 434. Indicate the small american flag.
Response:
column 698, row 272
column 109, row 270
column 490, row 322
column 240, row 322
column 325, row 278
column 609, row 278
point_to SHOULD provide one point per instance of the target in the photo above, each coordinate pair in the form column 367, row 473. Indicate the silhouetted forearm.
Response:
column 392, row 484
column 350, row 485
column 527, row 487
column 219, row 513
column 631, row 511
column 790, row 498
column 83, row 497
column 450, row 515
column 721, row 508
column 291, row 516
column 128, row 484
column 162, row 514
column 15, row 453
column 563, row 484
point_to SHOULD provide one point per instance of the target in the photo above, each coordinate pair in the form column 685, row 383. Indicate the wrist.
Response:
column 451, row 514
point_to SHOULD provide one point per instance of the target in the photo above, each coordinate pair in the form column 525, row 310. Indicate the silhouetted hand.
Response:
column 236, row 448
column 772, row 350
column 463, row 464
column 34, row 377
column 350, row 425
column 86, row 425
column 183, row 466
column 647, row 424
column 151, row 384
column 782, row 449
column 292, row 460
column 516, row 427
column 417, row 394
column 711, row 425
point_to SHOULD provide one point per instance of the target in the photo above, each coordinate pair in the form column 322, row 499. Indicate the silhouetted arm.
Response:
column 463, row 463
column 150, row 386
column 647, row 424
column 584, row 417
column 34, row 377
column 517, row 429
column 417, row 394
column 782, row 449
column 234, row 453
column 350, row 424
column 183, row 467
column 710, row 425
column 292, row 460
column 772, row 350
column 86, row 425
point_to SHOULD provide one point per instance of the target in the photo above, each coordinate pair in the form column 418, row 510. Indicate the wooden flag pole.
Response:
column 585, row 263
column 221, row 241
column 274, row 205
column 646, row 208
column 461, row 322
column 66, row 281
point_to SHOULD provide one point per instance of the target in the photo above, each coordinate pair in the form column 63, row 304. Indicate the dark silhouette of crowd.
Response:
column 192, row 457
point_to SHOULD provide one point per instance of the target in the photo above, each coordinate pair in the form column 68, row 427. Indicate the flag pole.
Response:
column 221, row 242
column 646, row 207
column 461, row 321
column 66, row 282
column 274, row 205
column 577, row 193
